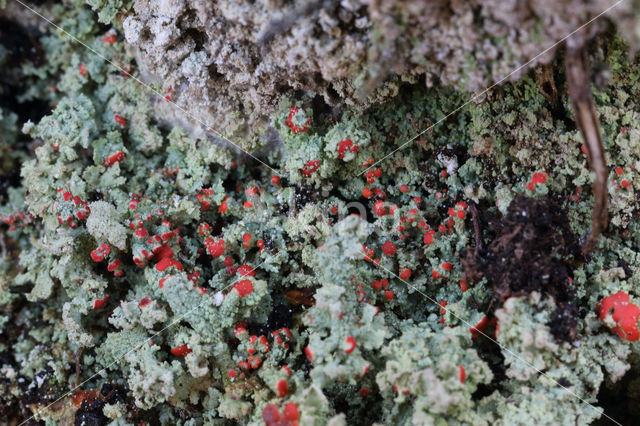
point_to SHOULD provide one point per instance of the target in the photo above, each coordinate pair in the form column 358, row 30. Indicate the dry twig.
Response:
column 579, row 82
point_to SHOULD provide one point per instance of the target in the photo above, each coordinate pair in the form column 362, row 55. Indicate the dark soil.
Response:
column 532, row 249
column 90, row 413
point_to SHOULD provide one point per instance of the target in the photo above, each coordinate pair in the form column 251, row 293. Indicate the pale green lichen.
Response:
column 357, row 352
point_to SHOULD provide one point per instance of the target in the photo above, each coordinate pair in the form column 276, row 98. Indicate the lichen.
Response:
column 151, row 274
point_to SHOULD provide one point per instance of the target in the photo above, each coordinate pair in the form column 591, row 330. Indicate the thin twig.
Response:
column 78, row 357
column 579, row 84
column 477, row 230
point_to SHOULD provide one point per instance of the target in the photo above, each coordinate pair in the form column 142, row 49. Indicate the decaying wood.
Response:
column 547, row 85
column 579, row 85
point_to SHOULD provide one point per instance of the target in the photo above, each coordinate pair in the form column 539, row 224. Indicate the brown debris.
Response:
column 547, row 85
column 477, row 227
column 301, row 297
column 579, row 84
column 533, row 250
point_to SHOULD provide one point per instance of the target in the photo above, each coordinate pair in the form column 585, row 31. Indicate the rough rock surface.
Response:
column 227, row 64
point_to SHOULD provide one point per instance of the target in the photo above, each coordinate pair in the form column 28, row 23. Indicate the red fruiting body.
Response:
column 619, row 171
column 248, row 204
column 461, row 374
column 310, row 167
column 294, row 122
column 141, row 233
column 144, row 302
column 388, row 248
column 624, row 313
column 291, row 412
column 289, row 416
column 112, row 159
column 163, row 252
column 366, row 192
column 405, row 273
column 215, row 248
column 283, row 388
column 343, row 147
column 120, row 120
column 204, row 198
column 446, row 266
column 168, row 262
column 99, row 303
column 350, row 342
column 271, row 415
column 109, row 38
column 540, row 177
column 463, row 286
column 378, row 208
column 275, row 180
column 83, row 70
column 624, row 183
column 479, row 328
column 113, row 265
column 246, row 271
column 379, row 193
column 241, row 328
column 204, row 229
column 244, row 287
column 98, row 254
column 308, row 353
column 428, row 238
column 180, row 351
column 388, row 294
